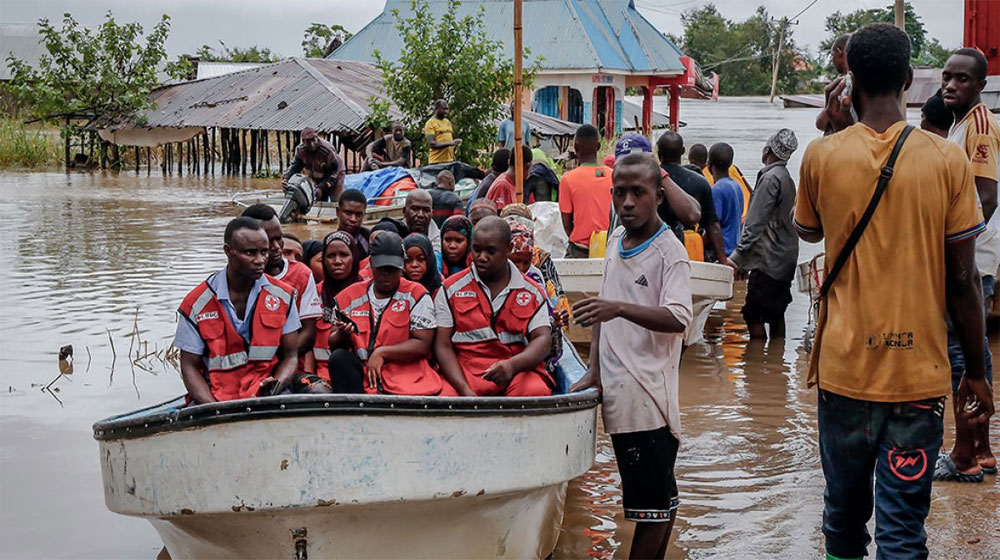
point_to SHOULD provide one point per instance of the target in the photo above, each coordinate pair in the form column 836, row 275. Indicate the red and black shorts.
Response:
column 646, row 464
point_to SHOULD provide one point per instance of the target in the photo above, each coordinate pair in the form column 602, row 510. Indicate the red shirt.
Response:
column 502, row 191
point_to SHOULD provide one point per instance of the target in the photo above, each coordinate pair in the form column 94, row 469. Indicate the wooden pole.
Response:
column 148, row 159
column 267, row 150
column 777, row 56
column 137, row 157
column 213, row 150
column 66, row 145
column 281, row 161
column 253, row 152
column 243, row 152
column 899, row 15
column 518, row 79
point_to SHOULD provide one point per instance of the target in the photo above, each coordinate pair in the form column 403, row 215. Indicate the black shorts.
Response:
column 767, row 298
column 646, row 464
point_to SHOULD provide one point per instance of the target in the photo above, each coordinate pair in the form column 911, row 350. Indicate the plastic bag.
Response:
column 549, row 233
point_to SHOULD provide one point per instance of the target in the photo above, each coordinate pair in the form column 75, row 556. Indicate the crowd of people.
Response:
column 456, row 299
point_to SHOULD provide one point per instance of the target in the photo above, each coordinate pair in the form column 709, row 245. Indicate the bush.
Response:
column 21, row 146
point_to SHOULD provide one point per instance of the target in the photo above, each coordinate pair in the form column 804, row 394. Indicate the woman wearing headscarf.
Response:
column 312, row 256
column 420, row 264
column 340, row 261
column 541, row 260
column 456, row 245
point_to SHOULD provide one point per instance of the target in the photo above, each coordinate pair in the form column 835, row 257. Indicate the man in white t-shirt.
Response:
column 639, row 321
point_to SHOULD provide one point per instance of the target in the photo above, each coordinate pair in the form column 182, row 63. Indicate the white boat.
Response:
column 710, row 283
column 326, row 212
column 353, row 476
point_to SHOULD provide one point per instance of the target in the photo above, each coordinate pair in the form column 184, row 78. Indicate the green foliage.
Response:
column 923, row 53
column 235, row 54
column 933, row 55
column 320, row 39
column 742, row 52
column 104, row 73
column 449, row 57
column 23, row 147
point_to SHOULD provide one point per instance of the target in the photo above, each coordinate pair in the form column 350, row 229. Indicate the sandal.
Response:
column 946, row 471
column 988, row 469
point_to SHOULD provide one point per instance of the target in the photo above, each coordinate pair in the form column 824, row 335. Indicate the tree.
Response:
column 104, row 74
column 449, row 58
column 235, row 54
column 837, row 24
column 742, row 53
column 933, row 55
column 321, row 40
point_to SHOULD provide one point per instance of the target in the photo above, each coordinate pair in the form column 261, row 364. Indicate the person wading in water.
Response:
column 880, row 357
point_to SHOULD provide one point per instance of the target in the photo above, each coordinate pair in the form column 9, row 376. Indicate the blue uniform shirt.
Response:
column 728, row 198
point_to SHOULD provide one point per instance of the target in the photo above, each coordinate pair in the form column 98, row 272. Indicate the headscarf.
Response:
column 518, row 214
column 483, row 202
column 310, row 248
column 432, row 278
column 463, row 226
column 783, row 143
column 522, row 239
column 332, row 286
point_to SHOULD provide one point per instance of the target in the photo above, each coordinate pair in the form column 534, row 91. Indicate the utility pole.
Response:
column 899, row 13
column 777, row 54
column 518, row 151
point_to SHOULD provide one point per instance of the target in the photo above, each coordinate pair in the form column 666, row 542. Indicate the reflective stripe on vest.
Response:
column 262, row 352
column 277, row 292
column 403, row 296
column 459, row 284
column 512, row 338
column 229, row 361
column 355, row 303
column 476, row 335
column 201, row 302
column 321, row 353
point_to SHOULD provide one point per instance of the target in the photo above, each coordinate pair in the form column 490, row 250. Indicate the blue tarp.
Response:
column 374, row 183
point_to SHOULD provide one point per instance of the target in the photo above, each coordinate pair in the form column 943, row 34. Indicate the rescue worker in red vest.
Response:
column 493, row 323
column 237, row 330
column 384, row 331
column 297, row 275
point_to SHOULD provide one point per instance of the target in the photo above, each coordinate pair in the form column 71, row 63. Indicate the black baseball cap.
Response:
column 387, row 250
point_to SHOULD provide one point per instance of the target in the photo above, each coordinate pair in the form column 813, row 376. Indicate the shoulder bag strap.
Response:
column 852, row 241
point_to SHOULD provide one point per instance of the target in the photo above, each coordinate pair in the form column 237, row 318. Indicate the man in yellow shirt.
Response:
column 975, row 130
column 440, row 135
column 880, row 356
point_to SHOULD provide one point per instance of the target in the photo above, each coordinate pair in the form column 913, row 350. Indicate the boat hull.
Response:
column 351, row 476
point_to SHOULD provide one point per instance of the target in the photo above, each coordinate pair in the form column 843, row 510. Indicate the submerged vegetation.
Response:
column 24, row 146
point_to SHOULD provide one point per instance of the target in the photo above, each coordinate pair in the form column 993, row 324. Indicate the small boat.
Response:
column 326, row 212
column 710, row 283
column 353, row 476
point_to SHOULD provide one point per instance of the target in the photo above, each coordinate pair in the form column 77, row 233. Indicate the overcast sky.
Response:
column 279, row 25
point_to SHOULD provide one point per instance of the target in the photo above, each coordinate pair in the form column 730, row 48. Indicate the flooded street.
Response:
column 90, row 257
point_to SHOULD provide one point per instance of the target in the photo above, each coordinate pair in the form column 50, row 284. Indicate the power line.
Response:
column 804, row 10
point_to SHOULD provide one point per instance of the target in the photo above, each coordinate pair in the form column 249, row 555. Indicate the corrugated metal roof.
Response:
column 328, row 95
column 21, row 40
column 208, row 69
column 596, row 35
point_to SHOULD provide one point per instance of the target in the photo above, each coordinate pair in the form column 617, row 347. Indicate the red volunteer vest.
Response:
column 297, row 277
column 235, row 368
column 321, row 347
column 483, row 337
column 417, row 378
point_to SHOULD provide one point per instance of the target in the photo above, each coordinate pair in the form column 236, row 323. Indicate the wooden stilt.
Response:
column 253, row 152
column 137, row 160
column 281, row 160
column 267, row 151
column 243, row 151
column 148, row 158
column 213, row 151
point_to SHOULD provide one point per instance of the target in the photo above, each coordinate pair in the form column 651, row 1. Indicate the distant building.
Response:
column 590, row 50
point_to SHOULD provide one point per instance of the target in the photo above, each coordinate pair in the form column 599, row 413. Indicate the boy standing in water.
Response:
column 645, row 302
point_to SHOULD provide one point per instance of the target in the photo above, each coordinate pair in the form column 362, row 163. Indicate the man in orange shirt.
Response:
column 585, row 194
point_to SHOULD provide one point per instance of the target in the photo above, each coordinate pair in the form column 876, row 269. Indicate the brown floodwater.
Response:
column 100, row 261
